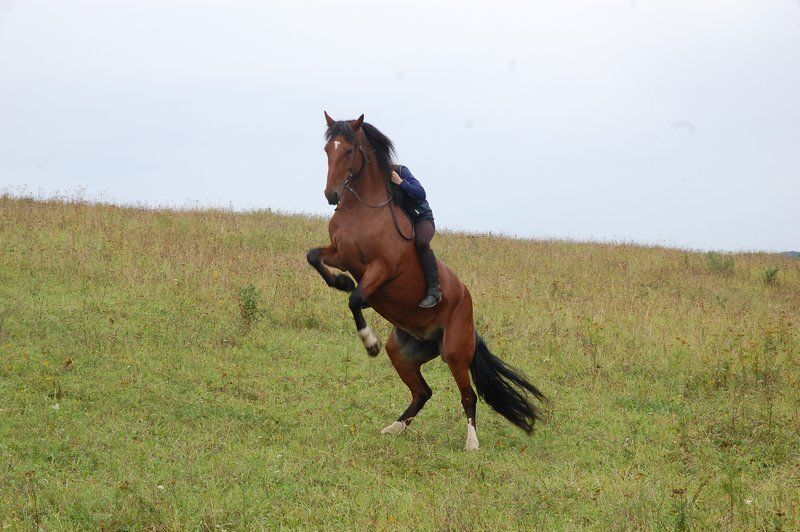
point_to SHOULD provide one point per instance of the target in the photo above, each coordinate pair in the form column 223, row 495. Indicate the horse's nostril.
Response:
column 333, row 198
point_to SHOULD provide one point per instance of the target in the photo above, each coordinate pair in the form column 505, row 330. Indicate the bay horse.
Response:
column 375, row 245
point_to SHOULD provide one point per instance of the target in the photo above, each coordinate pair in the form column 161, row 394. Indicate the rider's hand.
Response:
column 396, row 179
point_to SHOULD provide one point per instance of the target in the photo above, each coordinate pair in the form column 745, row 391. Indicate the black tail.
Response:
column 504, row 388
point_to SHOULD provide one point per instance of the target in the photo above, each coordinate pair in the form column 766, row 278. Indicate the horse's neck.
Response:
column 371, row 186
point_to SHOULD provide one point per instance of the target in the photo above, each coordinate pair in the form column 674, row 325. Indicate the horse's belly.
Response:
column 399, row 306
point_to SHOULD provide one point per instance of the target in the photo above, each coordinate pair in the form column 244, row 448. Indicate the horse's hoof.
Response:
column 344, row 283
column 373, row 350
column 371, row 341
column 472, row 439
column 396, row 428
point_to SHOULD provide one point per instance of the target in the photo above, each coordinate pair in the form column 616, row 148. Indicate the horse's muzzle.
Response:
column 333, row 197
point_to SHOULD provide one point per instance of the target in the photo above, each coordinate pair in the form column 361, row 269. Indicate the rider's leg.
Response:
column 424, row 230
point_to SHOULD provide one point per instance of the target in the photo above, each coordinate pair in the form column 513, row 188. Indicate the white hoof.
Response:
column 371, row 341
column 398, row 427
column 472, row 438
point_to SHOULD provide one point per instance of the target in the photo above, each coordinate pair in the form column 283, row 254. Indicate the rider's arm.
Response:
column 410, row 185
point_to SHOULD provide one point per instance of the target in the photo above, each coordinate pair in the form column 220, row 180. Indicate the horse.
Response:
column 372, row 243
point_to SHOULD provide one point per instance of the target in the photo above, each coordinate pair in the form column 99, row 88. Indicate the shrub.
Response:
column 719, row 263
column 771, row 275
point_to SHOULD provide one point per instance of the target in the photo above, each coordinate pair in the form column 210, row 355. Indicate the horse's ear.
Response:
column 357, row 123
column 328, row 119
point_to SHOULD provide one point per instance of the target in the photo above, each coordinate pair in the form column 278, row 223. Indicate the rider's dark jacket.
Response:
column 414, row 201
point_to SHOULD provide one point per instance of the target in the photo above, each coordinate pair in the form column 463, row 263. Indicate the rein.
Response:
column 350, row 175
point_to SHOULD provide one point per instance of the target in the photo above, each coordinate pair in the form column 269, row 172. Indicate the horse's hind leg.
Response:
column 407, row 357
column 459, row 349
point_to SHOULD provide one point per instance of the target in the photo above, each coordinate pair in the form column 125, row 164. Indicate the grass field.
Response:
column 173, row 370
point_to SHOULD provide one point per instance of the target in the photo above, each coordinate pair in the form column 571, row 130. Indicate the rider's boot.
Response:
column 431, row 271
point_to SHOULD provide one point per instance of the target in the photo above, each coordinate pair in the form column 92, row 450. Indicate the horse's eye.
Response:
column 349, row 151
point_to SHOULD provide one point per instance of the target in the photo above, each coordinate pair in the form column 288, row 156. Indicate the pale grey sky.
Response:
column 665, row 122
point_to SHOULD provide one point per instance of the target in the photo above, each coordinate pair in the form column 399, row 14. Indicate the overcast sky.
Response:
column 667, row 122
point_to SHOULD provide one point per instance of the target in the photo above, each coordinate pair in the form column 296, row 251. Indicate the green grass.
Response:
column 173, row 370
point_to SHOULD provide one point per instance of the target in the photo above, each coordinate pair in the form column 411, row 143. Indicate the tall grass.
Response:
column 132, row 396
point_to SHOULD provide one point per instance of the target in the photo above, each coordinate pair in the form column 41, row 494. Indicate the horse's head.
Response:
column 342, row 150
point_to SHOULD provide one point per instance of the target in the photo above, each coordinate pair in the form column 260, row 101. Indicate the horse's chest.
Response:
column 355, row 250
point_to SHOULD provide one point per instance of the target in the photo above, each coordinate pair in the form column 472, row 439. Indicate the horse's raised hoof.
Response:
column 344, row 283
column 396, row 428
column 472, row 438
column 374, row 349
column 371, row 341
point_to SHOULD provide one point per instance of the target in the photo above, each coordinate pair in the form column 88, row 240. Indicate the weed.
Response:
column 680, row 505
column 3, row 315
column 590, row 341
column 249, row 305
column 733, row 488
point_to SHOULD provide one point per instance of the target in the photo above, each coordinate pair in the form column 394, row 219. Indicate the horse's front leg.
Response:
column 318, row 257
column 374, row 276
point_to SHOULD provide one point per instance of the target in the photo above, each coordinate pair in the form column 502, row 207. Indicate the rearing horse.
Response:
column 371, row 242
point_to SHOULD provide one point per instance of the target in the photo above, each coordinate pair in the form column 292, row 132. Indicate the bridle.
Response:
column 359, row 148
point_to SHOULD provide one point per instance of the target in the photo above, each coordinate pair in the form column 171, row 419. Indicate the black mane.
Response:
column 382, row 148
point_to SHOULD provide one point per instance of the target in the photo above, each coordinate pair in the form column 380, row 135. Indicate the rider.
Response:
column 421, row 215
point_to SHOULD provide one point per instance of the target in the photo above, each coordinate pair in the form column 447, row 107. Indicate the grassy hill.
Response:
column 174, row 370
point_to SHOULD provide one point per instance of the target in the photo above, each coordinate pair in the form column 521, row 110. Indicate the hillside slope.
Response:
column 133, row 392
